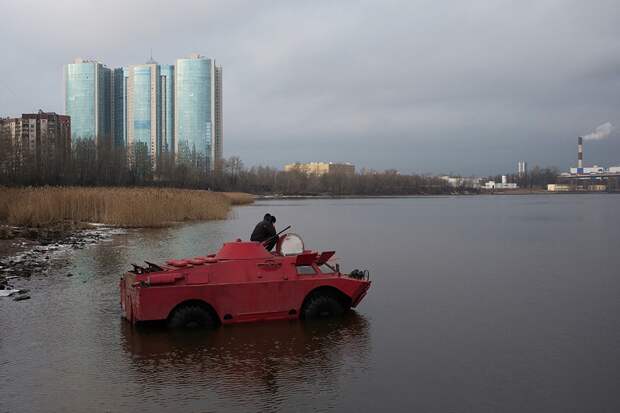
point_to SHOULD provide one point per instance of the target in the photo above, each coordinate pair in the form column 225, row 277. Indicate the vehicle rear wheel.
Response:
column 322, row 306
column 191, row 316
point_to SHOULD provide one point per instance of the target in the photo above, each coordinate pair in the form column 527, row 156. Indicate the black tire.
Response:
column 322, row 306
column 191, row 316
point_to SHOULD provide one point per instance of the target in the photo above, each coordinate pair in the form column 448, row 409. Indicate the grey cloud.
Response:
column 421, row 86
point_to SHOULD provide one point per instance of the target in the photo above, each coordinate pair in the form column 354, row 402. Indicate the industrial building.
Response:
column 595, row 178
column 321, row 168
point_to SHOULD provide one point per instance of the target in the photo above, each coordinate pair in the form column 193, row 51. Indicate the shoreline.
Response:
column 36, row 224
column 495, row 193
column 30, row 251
column 23, row 257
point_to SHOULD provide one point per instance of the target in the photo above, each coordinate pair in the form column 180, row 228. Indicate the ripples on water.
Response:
column 479, row 304
column 264, row 366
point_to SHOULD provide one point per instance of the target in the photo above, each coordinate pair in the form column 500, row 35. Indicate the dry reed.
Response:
column 127, row 207
column 239, row 198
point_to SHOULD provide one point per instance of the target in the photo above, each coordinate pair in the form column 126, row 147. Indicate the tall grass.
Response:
column 127, row 207
column 239, row 198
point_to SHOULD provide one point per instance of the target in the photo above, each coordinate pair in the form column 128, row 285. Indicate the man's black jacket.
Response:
column 263, row 230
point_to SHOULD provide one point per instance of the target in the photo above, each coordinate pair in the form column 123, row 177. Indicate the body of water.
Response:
column 478, row 304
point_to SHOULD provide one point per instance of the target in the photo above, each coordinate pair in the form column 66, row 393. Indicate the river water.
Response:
column 481, row 304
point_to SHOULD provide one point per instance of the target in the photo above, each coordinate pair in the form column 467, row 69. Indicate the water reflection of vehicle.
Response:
column 282, row 359
column 243, row 282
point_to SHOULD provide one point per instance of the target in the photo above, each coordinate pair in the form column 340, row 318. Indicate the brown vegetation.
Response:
column 128, row 207
column 239, row 198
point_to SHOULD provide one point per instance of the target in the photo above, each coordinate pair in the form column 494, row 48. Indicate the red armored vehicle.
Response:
column 243, row 282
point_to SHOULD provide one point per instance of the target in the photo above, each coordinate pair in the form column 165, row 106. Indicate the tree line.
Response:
column 536, row 178
column 92, row 164
column 268, row 180
column 89, row 163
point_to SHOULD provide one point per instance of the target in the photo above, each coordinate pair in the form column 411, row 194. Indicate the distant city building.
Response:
column 143, row 114
column 88, row 99
column 594, row 178
column 118, row 107
column 459, row 182
column 151, row 107
column 559, row 188
column 341, row 169
column 321, row 168
column 521, row 168
column 500, row 185
column 195, row 110
column 39, row 140
column 591, row 170
column 219, row 125
column 11, row 145
column 146, row 108
column 167, row 108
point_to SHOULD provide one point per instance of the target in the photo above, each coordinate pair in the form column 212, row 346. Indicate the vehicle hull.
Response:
column 236, row 289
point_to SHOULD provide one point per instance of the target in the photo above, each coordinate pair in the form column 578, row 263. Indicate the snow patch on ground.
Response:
column 39, row 257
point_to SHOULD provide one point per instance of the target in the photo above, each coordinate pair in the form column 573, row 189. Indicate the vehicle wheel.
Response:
column 322, row 306
column 191, row 316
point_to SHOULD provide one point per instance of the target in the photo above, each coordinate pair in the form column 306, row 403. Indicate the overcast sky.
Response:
column 467, row 87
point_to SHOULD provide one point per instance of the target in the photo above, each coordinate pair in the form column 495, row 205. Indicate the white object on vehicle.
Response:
column 291, row 244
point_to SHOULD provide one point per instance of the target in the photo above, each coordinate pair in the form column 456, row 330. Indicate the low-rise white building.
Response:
column 500, row 185
column 459, row 182
column 591, row 170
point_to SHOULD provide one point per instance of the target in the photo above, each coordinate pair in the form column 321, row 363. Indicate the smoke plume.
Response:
column 601, row 132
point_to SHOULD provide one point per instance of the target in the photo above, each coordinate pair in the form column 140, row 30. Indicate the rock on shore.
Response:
column 32, row 251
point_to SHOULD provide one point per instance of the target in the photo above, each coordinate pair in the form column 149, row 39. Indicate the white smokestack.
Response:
column 601, row 132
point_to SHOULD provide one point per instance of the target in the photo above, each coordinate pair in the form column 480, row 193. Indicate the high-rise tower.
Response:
column 118, row 107
column 167, row 108
column 88, row 100
column 150, row 108
column 218, row 141
column 143, row 115
column 195, row 110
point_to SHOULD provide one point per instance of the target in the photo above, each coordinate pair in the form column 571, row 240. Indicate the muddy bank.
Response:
column 28, row 252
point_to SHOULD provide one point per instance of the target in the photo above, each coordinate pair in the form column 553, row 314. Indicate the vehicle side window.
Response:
column 325, row 269
column 305, row 270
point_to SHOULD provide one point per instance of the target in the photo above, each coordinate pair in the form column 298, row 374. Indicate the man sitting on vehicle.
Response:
column 265, row 232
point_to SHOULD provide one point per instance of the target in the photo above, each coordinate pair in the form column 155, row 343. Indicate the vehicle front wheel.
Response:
column 191, row 316
column 322, row 306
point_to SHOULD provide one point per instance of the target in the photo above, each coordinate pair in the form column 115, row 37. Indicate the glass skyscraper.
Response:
column 218, row 148
column 194, row 113
column 150, row 108
column 167, row 108
column 88, row 99
column 118, row 109
column 144, row 109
